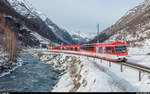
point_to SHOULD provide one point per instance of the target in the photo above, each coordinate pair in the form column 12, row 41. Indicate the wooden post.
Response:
column 109, row 64
column 140, row 75
column 121, row 69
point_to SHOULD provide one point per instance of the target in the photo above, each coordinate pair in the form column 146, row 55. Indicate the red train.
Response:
column 116, row 51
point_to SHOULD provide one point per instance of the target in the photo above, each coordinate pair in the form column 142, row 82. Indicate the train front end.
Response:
column 121, row 52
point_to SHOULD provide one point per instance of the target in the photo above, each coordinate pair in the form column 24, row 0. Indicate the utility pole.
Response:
column 62, row 43
column 79, row 37
column 97, row 33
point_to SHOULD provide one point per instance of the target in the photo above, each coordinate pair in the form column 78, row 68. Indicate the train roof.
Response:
column 96, row 44
column 70, row 46
column 114, row 43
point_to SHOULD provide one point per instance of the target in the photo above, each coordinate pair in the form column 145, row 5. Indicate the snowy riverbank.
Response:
column 82, row 74
column 7, row 67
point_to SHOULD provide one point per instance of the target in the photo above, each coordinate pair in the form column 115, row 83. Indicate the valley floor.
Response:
column 85, row 74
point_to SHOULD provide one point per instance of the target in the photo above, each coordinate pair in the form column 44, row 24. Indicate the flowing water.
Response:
column 31, row 77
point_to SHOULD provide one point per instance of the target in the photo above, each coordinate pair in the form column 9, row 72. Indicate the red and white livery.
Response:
column 116, row 51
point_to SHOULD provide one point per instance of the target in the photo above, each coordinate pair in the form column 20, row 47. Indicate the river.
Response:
column 33, row 76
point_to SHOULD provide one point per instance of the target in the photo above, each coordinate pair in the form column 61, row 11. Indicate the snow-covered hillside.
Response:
column 47, row 28
column 133, row 28
column 25, row 8
column 81, row 37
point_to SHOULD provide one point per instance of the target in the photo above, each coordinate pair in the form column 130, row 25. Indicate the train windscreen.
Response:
column 120, row 49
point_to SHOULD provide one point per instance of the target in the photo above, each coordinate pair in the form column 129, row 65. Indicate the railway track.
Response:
column 139, row 67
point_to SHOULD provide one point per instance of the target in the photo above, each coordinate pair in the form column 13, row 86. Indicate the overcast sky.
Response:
column 83, row 15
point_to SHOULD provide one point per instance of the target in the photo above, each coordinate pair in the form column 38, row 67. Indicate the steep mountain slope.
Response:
column 81, row 37
column 33, row 21
column 133, row 27
column 59, row 32
column 22, row 26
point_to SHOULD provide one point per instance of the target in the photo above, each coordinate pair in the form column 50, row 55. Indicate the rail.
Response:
column 141, row 68
column 137, row 66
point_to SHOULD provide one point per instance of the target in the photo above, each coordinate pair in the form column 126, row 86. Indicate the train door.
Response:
column 109, row 51
column 78, row 48
column 97, row 52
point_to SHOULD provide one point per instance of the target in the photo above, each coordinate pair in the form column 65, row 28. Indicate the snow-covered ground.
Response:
column 40, row 38
column 139, row 55
column 93, row 76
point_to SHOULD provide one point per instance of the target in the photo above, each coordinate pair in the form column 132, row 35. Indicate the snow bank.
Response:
column 85, row 74
column 98, row 77
column 139, row 56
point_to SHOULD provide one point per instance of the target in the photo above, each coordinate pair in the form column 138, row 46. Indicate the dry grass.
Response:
column 8, row 39
column 84, row 82
column 75, row 70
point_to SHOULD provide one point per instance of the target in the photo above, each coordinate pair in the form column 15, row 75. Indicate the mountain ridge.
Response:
column 133, row 28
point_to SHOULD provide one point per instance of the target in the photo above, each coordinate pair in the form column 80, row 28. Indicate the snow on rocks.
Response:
column 84, row 74
column 87, row 78
column 98, row 77
column 7, row 67
column 40, row 38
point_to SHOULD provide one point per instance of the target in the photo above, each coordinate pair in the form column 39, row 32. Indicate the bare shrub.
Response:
column 8, row 39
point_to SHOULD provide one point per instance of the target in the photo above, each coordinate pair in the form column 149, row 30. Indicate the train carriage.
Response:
column 88, row 49
column 112, row 51
column 116, row 51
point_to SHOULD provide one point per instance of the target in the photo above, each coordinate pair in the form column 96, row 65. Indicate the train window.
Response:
column 76, row 49
column 108, row 49
column 100, row 50
column 113, row 50
column 91, row 48
column 87, row 47
column 56, row 48
column 120, row 49
column 83, row 48
column 71, row 48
